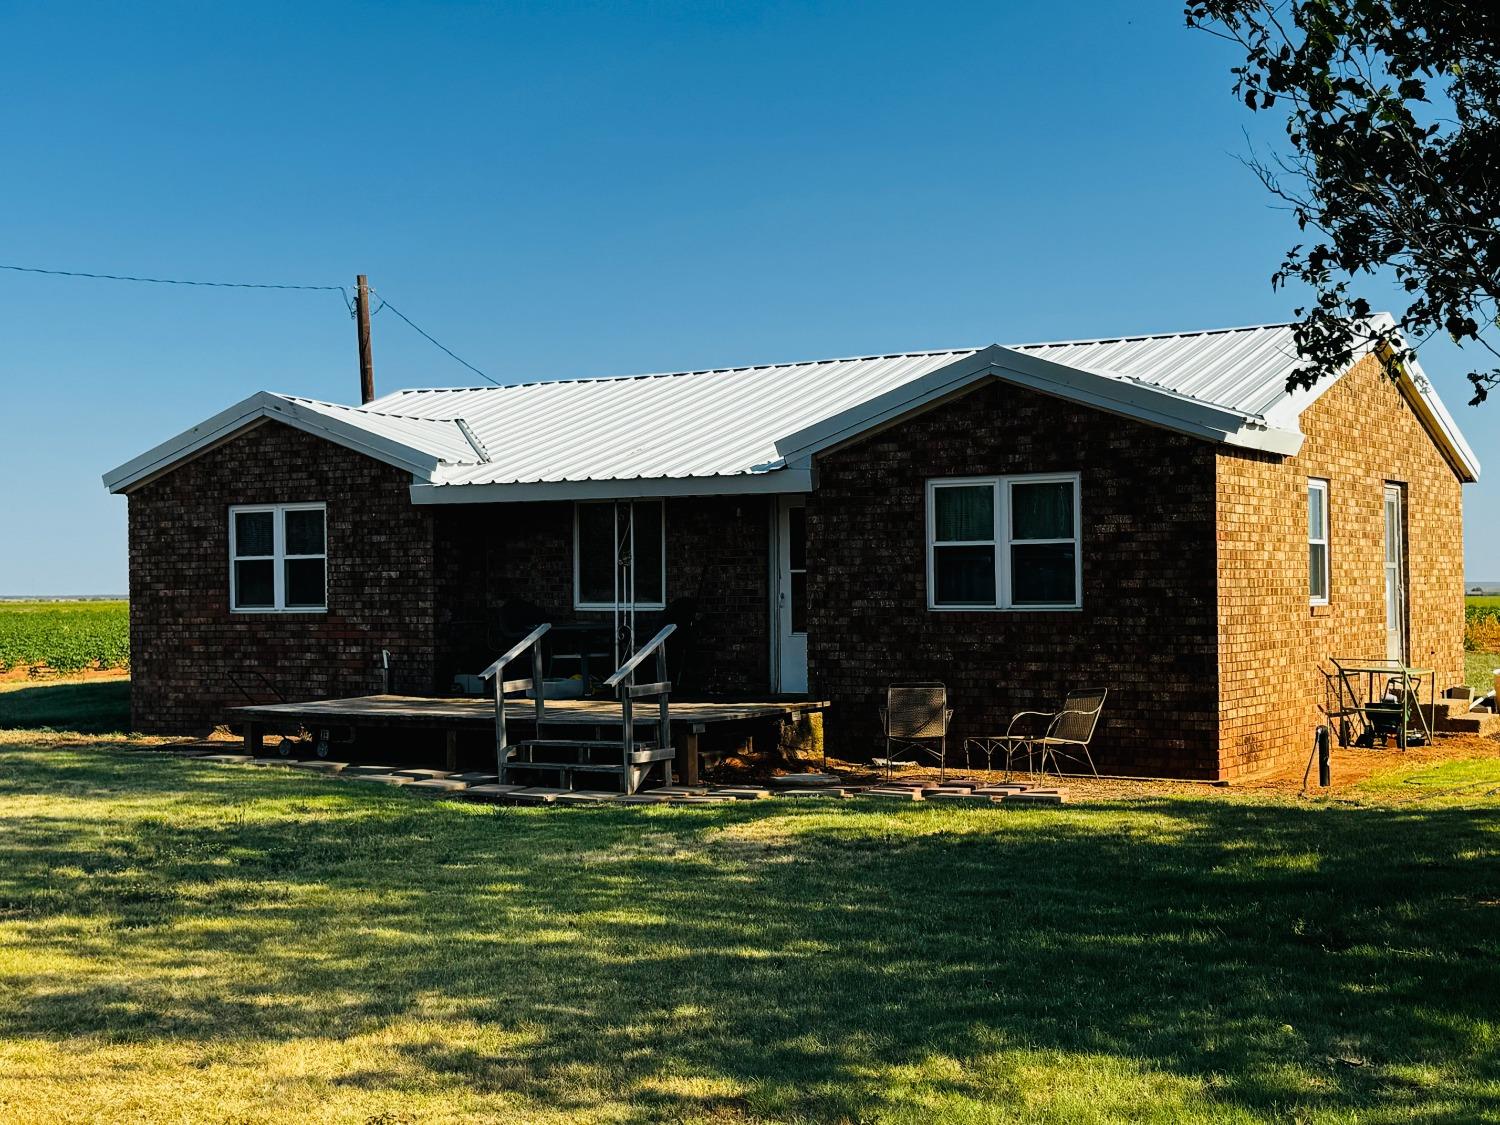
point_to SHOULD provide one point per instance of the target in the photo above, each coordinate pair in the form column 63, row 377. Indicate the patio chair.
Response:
column 1047, row 734
column 915, row 720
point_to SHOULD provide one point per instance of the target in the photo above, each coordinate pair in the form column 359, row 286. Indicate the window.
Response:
column 615, row 543
column 1317, row 542
column 278, row 558
column 1003, row 543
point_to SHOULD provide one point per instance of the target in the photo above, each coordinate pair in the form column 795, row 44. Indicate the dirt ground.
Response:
column 47, row 676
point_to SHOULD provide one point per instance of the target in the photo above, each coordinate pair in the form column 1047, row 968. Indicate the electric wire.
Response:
column 386, row 304
column 339, row 289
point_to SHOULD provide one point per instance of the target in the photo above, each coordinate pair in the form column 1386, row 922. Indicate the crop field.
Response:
column 64, row 636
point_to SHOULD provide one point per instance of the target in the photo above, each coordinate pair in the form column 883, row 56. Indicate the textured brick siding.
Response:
column 717, row 553
column 188, row 651
column 1147, row 627
column 1360, row 434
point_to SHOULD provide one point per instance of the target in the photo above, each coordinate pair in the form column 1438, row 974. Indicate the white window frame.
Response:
column 278, row 557
column 1320, row 485
column 1000, row 491
column 606, row 607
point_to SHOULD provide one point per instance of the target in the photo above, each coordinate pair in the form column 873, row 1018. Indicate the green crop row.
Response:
column 64, row 636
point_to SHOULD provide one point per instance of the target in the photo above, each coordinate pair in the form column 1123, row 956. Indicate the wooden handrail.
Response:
column 537, row 686
column 516, row 650
column 646, row 650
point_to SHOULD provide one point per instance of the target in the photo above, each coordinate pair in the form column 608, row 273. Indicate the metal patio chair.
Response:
column 915, row 720
column 1047, row 734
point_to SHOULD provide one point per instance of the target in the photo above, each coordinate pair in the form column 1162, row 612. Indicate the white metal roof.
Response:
column 756, row 428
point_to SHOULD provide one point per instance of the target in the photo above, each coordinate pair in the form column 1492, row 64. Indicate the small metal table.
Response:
column 1351, row 673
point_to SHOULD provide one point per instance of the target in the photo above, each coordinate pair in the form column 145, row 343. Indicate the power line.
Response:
column 339, row 289
column 386, row 304
column 169, row 280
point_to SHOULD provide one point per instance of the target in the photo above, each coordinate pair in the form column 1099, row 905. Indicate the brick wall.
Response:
column 188, row 651
column 1147, row 627
column 717, row 554
column 1360, row 434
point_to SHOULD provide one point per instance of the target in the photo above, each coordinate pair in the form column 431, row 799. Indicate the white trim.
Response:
column 1320, row 485
column 773, row 481
column 247, row 412
column 609, row 607
column 1000, row 487
column 1115, row 394
column 277, row 558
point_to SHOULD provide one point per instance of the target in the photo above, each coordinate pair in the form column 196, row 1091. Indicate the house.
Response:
column 1156, row 514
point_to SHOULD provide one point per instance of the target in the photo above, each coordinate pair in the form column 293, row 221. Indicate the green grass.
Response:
column 1479, row 668
column 64, row 636
column 181, row 941
column 1491, row 601
column 1478, row 777
column 95, row 707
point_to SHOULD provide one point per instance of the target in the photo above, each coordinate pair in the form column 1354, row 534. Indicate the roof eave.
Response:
column 772, row 482
column 259, row 406
column 1137, row 401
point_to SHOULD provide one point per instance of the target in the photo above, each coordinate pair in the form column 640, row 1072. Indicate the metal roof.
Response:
column 755, row 428
column 652, row 427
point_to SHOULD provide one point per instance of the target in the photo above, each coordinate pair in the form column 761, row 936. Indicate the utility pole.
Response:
column 362, row 318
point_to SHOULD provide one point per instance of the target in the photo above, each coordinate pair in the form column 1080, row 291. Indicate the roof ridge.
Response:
column 1154, row 336
column 679, row 374
column 365, row 411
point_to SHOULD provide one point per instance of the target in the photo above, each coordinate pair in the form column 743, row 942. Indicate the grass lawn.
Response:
column 188, row 942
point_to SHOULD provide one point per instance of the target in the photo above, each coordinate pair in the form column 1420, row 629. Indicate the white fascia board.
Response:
column 1115, row 396
column 258, row 406
column 774, row 482
column 1435, row 417
column 1414, row 385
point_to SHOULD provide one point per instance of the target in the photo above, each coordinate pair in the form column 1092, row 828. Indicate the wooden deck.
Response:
column 476, row 711
column 690, row 718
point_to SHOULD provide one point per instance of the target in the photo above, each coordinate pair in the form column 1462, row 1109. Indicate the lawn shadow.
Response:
column 790, row 956
column 91, row 707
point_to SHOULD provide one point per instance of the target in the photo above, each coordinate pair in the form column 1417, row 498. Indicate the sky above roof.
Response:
column 564, row 189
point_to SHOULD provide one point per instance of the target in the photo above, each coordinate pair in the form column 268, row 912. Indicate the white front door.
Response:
column 790, row 595
column 1395, row 575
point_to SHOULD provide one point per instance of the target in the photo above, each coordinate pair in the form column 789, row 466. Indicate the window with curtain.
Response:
column 278, row 558
column 1003, row 543
column 603, row 542
column 1317, row 541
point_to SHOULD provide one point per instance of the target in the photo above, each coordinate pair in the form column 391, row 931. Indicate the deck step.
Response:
column 818, row 791
column 565, row 767
column 440, row 785
column 804, row 779
column 536, row 795
column 587, row 797
column 489, row 792
column 895, row 792
column 637, row 758
column 582, row 743
column 1036, row 797
column 1472, row 722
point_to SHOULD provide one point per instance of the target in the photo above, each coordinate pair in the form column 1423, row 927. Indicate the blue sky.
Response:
column 568, row 189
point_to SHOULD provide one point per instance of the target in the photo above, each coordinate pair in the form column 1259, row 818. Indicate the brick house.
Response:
column 1157, row 515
